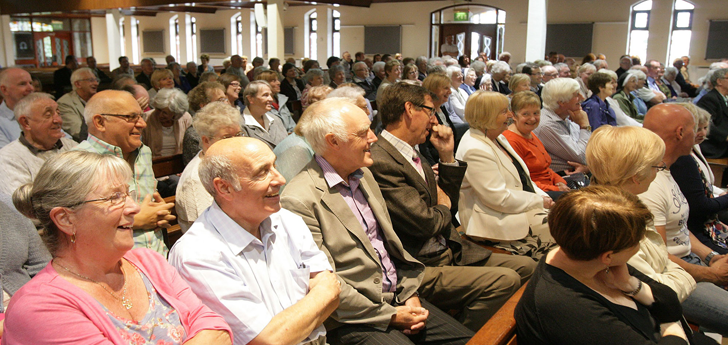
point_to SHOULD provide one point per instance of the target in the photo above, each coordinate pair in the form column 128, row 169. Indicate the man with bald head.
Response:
column 252, row 262
column 15, row 83
column 140, row 94
column 42, row 138
column 340, row 201
column 708, row 303
column 115, row 123
column 71, row 105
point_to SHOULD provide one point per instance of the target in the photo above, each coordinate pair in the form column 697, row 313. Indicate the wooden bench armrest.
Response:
column 501, row 328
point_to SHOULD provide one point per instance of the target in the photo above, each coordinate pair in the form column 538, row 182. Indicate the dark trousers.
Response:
column 441, row 328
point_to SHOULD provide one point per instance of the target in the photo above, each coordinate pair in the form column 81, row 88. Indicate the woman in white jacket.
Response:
column 499, row 204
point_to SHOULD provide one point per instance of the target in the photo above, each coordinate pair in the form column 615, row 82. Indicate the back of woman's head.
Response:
column 64, row 181
column 594, row 220
column 483, row 107
column 616, row 154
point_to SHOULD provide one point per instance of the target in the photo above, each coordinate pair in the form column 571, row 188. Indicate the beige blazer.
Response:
column 338, row 233
column 493, row 204
column 71, row 107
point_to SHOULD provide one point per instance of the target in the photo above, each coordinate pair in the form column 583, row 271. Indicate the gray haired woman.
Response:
column 166, row 123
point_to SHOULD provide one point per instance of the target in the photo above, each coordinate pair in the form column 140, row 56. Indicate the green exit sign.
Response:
column 461, row 16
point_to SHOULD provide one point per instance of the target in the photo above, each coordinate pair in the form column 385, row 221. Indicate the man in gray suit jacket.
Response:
column 339, row 200
column 72, row 105
column 421, row 207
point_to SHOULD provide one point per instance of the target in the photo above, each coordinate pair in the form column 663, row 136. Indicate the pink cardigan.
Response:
column 50, row 310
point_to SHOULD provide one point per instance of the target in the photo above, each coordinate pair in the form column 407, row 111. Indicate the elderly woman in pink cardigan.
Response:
column 97, row 289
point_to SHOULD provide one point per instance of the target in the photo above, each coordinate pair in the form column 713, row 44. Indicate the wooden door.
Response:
column 470, row 39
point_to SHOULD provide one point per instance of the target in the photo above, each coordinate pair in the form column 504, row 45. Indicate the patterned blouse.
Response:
column 160, row 326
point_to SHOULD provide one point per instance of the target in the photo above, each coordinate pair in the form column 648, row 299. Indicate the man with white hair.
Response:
column 625, row 62
column 341, row 203
column 15, row 83
column 251, row 261
column 361, row 74
column 564, row 70
column 600, row 64
column 714, row 102
column 498, row 73
column 42, row 138
column 379, row 74
column 582, row 77
column 549, row 72
column 71, row 105
column 421, row 63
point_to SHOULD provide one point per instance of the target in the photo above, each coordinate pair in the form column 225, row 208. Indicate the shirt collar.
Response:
column 333, row 179
column 251, row 121
column 34, row 150
column 103, row 147
column 237, row 237
column 402, row 146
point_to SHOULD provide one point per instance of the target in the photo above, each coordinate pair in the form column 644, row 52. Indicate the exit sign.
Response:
column 462, row 16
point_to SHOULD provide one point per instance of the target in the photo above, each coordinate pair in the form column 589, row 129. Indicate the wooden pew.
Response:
column 501, row 328
column 718, row 166
column 163, row 166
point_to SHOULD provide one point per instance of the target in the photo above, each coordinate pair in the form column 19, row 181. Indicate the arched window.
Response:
column 310, row 27
column 123, row 37
column 336, row 32
column 257, row 37
column 682, row 29
column 639, row 31
column 236, row 26
column 135, row 41
column 191, row 38
column 174, row 37
column 474, row 30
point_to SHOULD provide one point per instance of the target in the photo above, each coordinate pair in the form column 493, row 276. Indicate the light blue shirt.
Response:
column 9, row 128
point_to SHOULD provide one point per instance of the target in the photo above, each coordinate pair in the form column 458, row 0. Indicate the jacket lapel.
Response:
column 408, row 168
column 502, row 157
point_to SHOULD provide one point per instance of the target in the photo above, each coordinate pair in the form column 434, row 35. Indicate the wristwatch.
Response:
column 587, row 127
column 710, row 257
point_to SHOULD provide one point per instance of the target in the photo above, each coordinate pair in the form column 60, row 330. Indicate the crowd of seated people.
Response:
column 395, row 201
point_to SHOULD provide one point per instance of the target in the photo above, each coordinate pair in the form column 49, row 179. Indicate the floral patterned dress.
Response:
column 160, row 326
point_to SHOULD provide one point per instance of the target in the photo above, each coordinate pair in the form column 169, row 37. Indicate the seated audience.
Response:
column 98, row 73
column 290, row 85
column 596, row 107
column 115, row 126
column 621, row 118
column 294, row 152
column 207, row 76
column 499, row 203
column 232, row 85
column 499, row 73
column 549, row 73
column 690, row 174
column 62, row 76
column 625, row 85
column 534, row 73
column 650, row 92
column 258, row 121
column 379, row 74
column 564, row 129
column 278, row 107
column 715, row 103
column 216, row 121
column 479, row 67
column 584, row 72
column 625, row 62
column 15, row 83
column 97, row 289
column 238, row 65
column 180, row 81
column 71, row 105
column 166, row 123
column 41, row 139
column 439, row 86
column 458, row 96
column 314, row 77
column 469, row 81
column 229, row 261
column 123, row 69
column 191, row 74
column 675, row 125
column 140, row 94
column 410, row 72
column 519, row 82
column 702, row 118
column 668, row 78
column 526, row 108
column 596, row 227
column 123, row 80
column 421, row 208
column 343, row 207
column 161, row 79
column 203, row 94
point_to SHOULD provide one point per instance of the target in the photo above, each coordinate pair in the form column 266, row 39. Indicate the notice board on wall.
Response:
column 212, row 41
column 382, row 39
column 153, row 41
column 569, row 39
column 717, row 40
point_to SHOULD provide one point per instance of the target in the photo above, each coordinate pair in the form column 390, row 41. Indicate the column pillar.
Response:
column 323, row 31
column 113, row 37
column 276, row 34
column 536, row 31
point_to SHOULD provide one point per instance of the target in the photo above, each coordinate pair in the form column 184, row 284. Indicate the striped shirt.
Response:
column 563, row 140
column 143, row 182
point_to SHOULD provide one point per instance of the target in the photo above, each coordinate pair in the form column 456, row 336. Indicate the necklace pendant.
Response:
column 126, row 303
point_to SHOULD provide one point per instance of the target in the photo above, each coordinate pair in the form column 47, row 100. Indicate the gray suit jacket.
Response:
column 71, row 108
column 23, row 253
column 338, row 233
column 412, row 202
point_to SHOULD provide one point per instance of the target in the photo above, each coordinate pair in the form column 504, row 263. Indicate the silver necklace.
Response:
column 125, row 302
